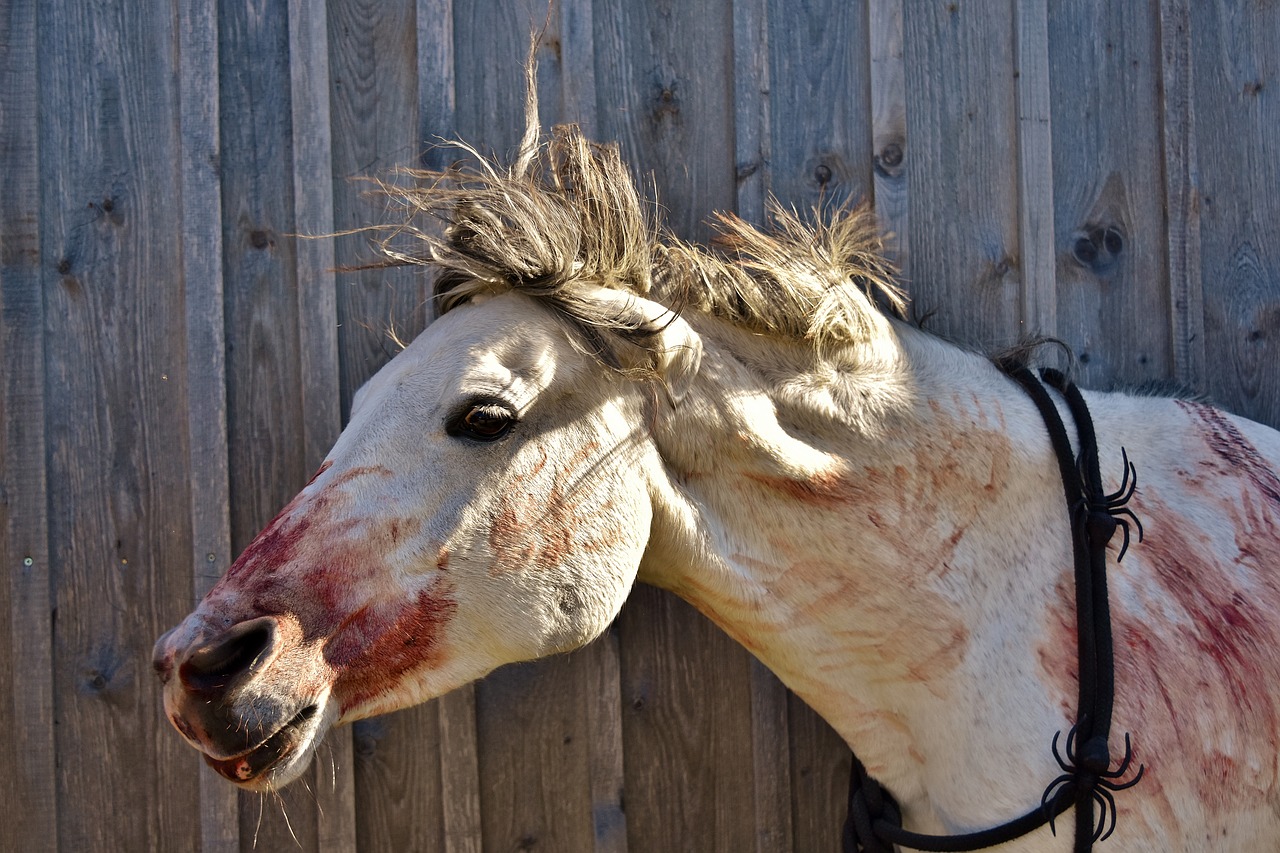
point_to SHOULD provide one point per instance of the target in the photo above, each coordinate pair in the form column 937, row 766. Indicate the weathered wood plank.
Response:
column 1236, row 110
column 751, row 107
column 375, row 128
column 29, row 786
column 820, row 762
column 889, row 127
column 399, row 801
column 603, row 701
column 686, row 691
column 664, row 83
column 1113, row 295
column 491, row 41
column 575, row 44
column 1182, row 204
column 531, row 721
column 460, row 771
column 536, row 758
column 598, row 666
column 437, row 88
column 115, row 405
column 962, row 122
column 1035, row 169
column 206, row 361
column 401, row 798
column 820, row 93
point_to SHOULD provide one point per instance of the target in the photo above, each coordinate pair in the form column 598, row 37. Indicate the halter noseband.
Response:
column 874, row 824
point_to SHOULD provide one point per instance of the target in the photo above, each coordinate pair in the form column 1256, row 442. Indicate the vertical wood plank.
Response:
column 29, row 786
column 1113, row 295
column 576, row 45
column 458, row 775
column 889, row 127
column 1181, row 199
column 751, row 106
column 603, row 701
column 333, row 782
column 391, row 89
column 665, row 89
column 400, row 802
column 115, row 400
column 600, row 662
column 206, row 361
column 961, row 120
column 437, row 88
column 686, row 690
column 1236, row 96
column 820, row 762
column 534, row 757
column 460, row 771
column 1035, row 169
column 770, row 744
column 820, row 96
column 375, row 127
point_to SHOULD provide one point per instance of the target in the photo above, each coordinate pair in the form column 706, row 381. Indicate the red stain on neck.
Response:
column 1231, row 446
column 325, row 466
column 1196, row 630
column 827, row 490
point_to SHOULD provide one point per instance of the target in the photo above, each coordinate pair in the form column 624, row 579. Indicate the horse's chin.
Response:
column 283, row 756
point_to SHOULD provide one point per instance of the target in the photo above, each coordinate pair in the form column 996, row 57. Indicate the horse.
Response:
column 874, row 512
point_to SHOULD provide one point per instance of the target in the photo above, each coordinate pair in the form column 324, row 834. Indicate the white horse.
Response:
column 876, row 514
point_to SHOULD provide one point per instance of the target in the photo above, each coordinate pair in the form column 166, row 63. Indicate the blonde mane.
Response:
column 566, row 218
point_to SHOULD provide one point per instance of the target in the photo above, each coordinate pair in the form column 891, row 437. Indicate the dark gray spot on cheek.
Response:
column 572, row 617
column 569, row 601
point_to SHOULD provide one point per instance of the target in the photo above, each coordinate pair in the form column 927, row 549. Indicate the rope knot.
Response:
column 1094, row 757
column 1100, row 526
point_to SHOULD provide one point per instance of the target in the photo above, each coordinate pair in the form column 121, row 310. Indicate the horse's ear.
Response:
column 680, row 355
column 677, row 349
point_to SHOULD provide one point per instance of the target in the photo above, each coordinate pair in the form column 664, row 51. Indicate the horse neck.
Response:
column 879, row 559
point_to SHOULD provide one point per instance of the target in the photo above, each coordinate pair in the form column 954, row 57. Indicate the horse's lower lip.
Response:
column 252, row 764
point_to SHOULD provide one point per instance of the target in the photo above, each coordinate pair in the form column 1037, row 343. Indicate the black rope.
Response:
column 874, row 824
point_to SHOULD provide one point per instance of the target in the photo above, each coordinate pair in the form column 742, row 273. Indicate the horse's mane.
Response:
column 565, row 218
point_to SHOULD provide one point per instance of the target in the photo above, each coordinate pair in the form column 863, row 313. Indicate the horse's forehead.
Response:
column 501, row 344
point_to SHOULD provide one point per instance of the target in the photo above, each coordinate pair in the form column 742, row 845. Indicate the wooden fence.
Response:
column 173, row 364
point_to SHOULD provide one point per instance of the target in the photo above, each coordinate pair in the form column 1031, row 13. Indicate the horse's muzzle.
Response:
column 220, row 695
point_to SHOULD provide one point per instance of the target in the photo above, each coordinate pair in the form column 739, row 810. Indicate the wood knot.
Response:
column 889, row 159
column 666, row 101
column 1098, row 247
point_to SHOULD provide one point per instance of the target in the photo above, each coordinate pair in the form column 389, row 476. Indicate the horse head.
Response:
column 487, row 503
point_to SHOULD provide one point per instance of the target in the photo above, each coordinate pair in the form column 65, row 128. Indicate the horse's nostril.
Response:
column 215, row 664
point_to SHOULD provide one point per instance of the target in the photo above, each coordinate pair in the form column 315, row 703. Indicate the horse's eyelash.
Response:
column 453, row 423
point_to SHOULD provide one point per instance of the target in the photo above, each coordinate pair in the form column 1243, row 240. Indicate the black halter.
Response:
column 874, row 824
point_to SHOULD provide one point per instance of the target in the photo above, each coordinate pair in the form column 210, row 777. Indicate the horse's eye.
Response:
column 485, row 422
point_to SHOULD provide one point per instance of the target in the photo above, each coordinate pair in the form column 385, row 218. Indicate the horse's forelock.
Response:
column 567, row 217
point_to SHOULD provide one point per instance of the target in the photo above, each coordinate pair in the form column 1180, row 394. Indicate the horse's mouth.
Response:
column 250, row 766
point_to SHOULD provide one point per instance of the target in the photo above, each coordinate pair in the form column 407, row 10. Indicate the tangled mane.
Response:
column 565, row 219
